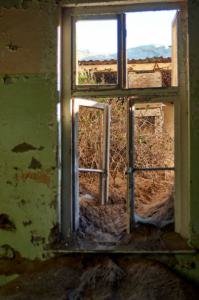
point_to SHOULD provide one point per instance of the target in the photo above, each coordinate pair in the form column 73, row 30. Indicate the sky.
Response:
column 143, row 28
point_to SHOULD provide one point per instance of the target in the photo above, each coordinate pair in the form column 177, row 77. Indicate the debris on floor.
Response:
column 100, row 277
column 105, row 227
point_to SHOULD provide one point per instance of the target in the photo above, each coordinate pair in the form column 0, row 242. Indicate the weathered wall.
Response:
column 194, row 117
column 29, row 135
column 28, row 141
column 144, row 80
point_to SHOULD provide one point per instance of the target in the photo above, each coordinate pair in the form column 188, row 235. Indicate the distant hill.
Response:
column 141, row 52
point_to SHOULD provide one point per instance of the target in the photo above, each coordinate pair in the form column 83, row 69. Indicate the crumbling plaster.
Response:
column 28, row 189
column 28, row 145
column 194, row 117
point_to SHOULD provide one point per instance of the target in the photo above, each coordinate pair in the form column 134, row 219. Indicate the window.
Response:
column 86, row 57
column 149, row 80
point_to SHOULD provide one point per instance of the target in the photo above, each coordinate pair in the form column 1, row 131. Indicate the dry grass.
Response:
column 153, row 147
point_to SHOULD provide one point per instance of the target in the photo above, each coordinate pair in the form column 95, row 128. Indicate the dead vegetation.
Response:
column 154, row 191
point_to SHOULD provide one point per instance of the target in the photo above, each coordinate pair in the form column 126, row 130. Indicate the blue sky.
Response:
column 143, row 28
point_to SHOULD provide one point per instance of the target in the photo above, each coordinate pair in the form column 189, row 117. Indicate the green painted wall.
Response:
column 193, row 23
column 28, row 127
column 28, row 161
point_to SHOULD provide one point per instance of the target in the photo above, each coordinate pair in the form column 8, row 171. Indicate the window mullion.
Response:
column 122, row 75
column 74, row 54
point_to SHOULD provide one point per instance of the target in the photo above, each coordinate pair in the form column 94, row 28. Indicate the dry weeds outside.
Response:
column 102, row 227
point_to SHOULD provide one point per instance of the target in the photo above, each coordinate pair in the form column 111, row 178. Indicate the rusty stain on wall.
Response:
column 40, row 177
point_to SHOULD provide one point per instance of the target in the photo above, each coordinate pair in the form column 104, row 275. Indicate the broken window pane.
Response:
column 96, row 52
column 151, row 49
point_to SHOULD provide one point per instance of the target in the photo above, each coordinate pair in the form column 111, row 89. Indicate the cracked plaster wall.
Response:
column 194, row 117
column 28, row 141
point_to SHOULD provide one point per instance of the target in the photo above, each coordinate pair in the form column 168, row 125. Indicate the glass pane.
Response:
column 154, row 197
column 151, row 49
column 154, row 135
column 96, row 52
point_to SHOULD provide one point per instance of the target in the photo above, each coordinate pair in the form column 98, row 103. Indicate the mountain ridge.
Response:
column 140, row 52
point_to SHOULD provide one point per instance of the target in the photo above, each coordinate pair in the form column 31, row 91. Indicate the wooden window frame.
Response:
column 177, row 95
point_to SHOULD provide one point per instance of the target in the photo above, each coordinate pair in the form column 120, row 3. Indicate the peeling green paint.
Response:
column 4, row 279
column 194, row 117
column 30, row 104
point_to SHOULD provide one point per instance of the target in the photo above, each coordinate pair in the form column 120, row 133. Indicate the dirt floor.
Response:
column 89, row 277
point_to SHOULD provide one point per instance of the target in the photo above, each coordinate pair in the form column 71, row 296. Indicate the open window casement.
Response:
column 103, row 171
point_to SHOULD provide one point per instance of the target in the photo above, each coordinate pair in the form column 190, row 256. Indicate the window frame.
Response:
column 87, row 87
column 177, row 95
